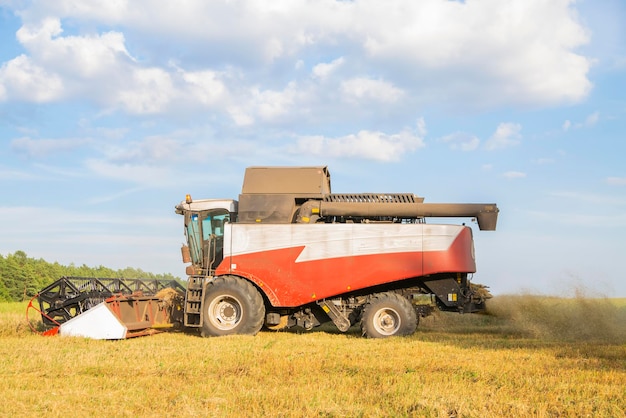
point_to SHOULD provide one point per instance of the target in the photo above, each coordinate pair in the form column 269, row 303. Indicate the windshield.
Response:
column 205, row 234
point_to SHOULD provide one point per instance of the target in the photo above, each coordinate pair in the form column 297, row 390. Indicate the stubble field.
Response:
column 531, row 357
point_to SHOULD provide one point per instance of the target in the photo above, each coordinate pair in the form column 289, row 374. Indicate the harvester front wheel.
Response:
column 388, row 314
column 232, row 306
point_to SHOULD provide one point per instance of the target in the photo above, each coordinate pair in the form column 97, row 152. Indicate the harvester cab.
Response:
column 205, row 222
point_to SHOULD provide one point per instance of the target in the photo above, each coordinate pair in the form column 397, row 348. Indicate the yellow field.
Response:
column 454, row 366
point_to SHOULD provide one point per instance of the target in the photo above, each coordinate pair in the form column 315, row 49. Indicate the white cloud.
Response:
column 205, row 86
column 620, row 62
column 514, row 175
column 46, row 147
column 368, row 145
column 271, row 104
column 589, row 121
column 139, row 173
column 22, row 79
column 14, row 175
column 461, row 141
column 543, row 161
column 59, row 171
column 112, row 197
column 323, row 70
column 155, row 149
column 506, row 135
column 616, row 181
column 592, row 198
column 494, row 52
column 74, row 56
column 150, row 91
column 268, row 106
column 240, row 116
column 583, row 219
column 93, row 10
column 114, row 133
column 365, row 89
column 592, row 119
column 566, row 125
column 517, row 52
column 100, row 68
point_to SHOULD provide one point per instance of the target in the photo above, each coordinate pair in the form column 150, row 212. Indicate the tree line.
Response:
column 21, row 277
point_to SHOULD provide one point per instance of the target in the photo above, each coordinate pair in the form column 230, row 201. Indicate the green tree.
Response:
column 22, row 276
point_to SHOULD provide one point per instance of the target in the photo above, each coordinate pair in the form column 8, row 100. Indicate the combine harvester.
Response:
column 291, row 253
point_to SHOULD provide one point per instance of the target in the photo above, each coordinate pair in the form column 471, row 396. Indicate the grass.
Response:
column 502, row 364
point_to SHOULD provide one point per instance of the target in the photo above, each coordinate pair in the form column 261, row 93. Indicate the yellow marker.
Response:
column 325, row 308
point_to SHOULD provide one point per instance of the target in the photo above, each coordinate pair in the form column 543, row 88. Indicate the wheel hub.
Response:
column 387, row 321
column 225, row 312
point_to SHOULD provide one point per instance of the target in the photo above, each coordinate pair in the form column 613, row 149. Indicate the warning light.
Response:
column 188, row 198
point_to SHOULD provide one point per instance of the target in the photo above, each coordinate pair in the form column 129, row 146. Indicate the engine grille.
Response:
column 373, row 198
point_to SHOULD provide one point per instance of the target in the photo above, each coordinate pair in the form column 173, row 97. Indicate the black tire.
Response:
column 232, row 306
column 388, row 314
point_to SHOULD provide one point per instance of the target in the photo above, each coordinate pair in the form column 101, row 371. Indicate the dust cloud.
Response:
column 577, row 318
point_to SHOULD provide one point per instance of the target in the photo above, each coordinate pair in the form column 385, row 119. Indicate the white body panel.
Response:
column 323, row 241
column 98, row 323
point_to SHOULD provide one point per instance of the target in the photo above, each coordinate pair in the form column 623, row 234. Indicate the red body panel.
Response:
column 298, row 264
column 458, row 258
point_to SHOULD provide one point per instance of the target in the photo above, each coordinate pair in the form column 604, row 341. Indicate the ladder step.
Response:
column 193, row 302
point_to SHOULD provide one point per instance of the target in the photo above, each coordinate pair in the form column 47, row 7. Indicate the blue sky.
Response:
column 111, row 111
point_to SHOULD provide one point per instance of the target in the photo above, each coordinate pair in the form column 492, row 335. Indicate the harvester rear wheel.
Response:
column 232, row 306
column 388, row 314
